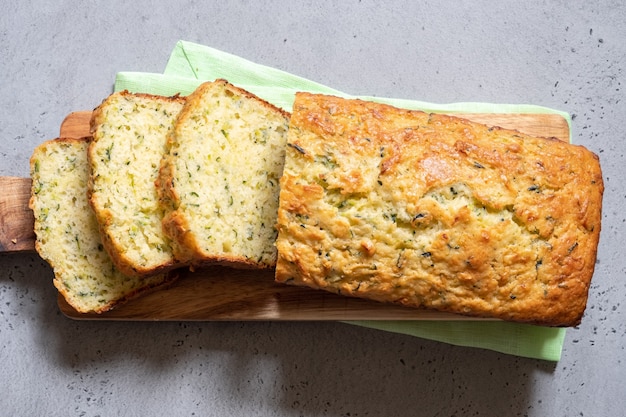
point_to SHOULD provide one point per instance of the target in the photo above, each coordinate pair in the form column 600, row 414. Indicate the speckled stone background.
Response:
column 61, row 56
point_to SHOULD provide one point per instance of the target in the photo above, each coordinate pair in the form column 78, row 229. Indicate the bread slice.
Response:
column 129, row 140
column 67, row 233
column 220, row 178
column 435, row 211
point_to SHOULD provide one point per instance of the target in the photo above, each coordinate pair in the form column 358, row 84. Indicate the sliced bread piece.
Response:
column 129, row 139
column 67, row 235
column 220, row 178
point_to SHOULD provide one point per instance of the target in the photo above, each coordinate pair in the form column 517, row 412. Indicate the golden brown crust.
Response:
column 97, row 114
column 435, row 211
column 245, row 93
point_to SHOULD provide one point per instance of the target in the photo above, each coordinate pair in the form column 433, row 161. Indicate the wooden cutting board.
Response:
column 227, row 294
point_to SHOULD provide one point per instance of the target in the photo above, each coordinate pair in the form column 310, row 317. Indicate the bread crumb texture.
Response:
column 439, row 212
column 220, row 180
column 129, row 140
column 66, row 230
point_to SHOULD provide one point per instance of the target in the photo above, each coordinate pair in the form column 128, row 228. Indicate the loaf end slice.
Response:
column 220, row 179
column 129, row 140
column 437, row 212
column 67, row 234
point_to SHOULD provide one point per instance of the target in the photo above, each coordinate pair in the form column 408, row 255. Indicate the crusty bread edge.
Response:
column 169, row 278
column 97, row 112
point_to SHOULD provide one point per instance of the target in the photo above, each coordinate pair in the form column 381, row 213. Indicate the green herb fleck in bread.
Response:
column 219, row 181
column 129, row 139
column 67, row 234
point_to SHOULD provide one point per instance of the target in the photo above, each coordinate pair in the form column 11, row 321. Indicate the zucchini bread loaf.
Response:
column 439, row 212
column 67, row 235
column 219, row 180
column 129, row 140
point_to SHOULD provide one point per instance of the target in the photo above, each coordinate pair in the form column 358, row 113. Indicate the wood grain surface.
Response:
column 16, row 219
column 220, row 293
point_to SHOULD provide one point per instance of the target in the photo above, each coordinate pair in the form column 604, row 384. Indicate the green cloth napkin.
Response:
column 191, row 64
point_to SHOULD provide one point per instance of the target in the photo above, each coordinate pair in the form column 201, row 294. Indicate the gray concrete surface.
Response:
column 57, row 57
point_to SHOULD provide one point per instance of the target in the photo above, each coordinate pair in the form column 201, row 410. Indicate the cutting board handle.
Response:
column 16, row 219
